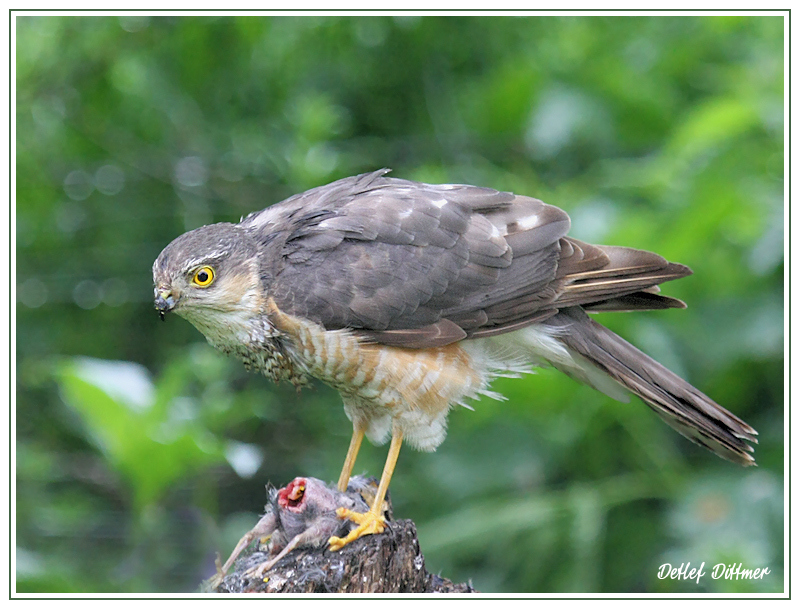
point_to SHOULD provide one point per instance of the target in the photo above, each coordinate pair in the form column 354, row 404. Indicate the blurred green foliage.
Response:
column 141, row 451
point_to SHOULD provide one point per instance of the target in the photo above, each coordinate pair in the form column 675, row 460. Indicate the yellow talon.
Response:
column 369, row 523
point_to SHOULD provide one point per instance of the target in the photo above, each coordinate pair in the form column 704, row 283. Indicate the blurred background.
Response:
column 141, row 451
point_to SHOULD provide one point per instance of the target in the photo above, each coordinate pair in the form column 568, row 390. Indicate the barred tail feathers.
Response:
column 590, row 353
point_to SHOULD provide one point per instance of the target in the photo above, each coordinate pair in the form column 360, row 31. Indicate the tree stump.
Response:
column 388, row 562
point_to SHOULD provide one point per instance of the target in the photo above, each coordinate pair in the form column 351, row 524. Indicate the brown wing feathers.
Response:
column 408, row 263
column 609, row 277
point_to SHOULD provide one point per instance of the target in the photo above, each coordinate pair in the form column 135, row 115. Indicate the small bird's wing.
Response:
column 418, row 265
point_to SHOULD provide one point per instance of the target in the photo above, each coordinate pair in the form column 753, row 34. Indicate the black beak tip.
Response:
column 162, row 306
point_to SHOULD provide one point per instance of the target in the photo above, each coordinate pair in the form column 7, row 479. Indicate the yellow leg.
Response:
column 373, row 521
column 350, row 459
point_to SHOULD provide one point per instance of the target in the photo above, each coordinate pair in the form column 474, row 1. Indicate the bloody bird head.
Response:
column 291, row 496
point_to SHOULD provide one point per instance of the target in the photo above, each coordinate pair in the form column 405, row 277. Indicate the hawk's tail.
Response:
column 693, row 414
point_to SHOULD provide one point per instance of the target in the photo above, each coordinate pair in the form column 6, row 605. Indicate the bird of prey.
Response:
column 410, row 298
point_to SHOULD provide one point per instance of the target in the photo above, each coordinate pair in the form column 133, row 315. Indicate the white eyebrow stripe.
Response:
column 193, row 262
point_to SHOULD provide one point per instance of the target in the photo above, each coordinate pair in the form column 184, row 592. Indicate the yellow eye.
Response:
column 203, row 277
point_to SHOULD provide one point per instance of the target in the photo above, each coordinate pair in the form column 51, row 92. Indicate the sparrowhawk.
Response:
column 410, row 298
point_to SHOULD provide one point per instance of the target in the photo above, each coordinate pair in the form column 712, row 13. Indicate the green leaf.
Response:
column 151, row 447
column 713, row 123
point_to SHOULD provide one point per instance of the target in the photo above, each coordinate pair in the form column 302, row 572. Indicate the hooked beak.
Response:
column 165, row 301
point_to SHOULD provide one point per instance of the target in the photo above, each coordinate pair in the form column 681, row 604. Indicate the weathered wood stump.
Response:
column 389, row 562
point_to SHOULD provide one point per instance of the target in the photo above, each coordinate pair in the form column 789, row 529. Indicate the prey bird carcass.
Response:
column 303, row 514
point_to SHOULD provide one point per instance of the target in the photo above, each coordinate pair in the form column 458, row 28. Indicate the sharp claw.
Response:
column 368, row 523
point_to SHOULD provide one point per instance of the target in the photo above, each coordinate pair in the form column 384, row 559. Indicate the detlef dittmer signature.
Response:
column 720, row 571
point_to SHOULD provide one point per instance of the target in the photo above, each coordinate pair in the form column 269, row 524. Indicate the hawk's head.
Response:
column 209, row 276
